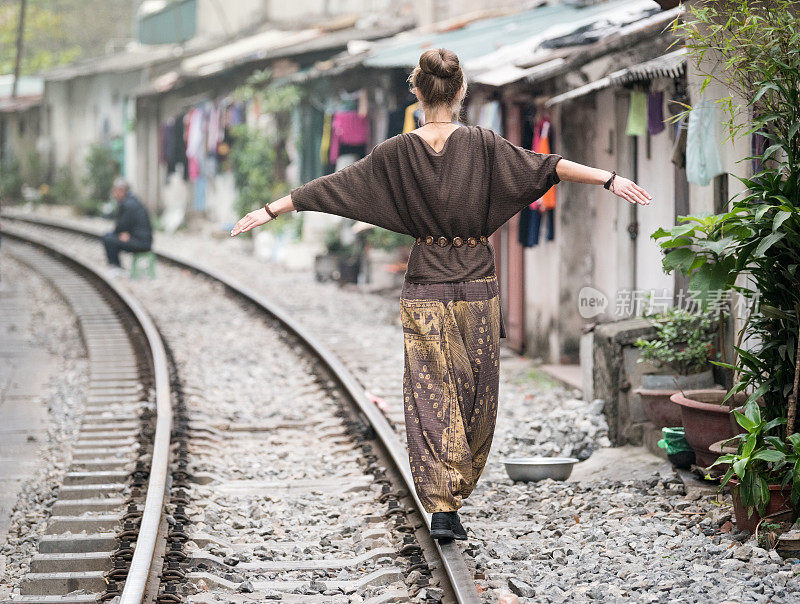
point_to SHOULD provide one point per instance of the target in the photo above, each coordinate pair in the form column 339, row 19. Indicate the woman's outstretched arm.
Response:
column 623, row 187
column 260, row 216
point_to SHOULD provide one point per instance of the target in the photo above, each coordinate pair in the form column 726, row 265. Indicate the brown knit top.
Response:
column 469, row 189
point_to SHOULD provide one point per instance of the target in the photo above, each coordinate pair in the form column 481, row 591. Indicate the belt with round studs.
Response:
column 455, row 241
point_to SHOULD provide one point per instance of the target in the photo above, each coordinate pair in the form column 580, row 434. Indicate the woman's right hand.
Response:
column 250, row 221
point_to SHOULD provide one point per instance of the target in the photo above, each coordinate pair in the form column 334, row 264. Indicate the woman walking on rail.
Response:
column 450, row 187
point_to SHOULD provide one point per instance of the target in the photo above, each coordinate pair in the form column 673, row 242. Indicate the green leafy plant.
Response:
column 63, row 189
column 753, row 49
column 758, row 237
column 761, row 460
column 258, row 153
column 101, row 169
column 683, row 342
column 388, row 240
column 334, row 244
column 11, row 180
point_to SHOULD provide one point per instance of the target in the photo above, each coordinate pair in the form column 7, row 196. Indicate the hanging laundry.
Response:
column 530, row 222
column 679, row 146
column 541, row 144
column 380, row 122
column 703, row 162
column 409, row 123
column 363, row 103
column 347, row 128
column 236, row 114
column 325, row 143
column 637, row 114
column 549, row 218
column 491, row 117
column 655, row 112
column 214, row 129
column 194, row 142
column 178, row 146
column 396, row 121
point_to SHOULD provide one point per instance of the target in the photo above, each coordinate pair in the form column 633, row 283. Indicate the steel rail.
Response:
column 136, row 581
column 461, row 580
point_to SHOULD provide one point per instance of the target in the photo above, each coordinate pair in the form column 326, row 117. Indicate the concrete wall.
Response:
column 305, row 10
column 593, row 246
column 431, row 11
column 20, row 134
column 88, row 110
column 218, row 19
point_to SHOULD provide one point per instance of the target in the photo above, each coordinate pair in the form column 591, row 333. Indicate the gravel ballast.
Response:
column 53, row 328
column 636, row 540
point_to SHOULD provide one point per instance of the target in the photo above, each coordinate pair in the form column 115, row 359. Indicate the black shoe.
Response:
column 459, row 532
column 441, row 527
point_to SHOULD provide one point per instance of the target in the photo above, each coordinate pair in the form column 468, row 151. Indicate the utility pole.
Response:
column 18, row 59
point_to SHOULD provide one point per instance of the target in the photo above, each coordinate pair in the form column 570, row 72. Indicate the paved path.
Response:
column 24, row 370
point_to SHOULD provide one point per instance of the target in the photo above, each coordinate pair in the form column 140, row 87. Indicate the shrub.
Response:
column 101, row 169
column 63, row 190
column 683, row 342
column 11, row 180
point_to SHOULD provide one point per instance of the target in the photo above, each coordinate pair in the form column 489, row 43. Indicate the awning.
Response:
column 20, row 103
column 670, row 65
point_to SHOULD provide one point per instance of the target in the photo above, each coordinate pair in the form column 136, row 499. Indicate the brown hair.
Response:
column 439, row 79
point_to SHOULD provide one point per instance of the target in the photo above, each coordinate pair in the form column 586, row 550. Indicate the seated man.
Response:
column 132, row 232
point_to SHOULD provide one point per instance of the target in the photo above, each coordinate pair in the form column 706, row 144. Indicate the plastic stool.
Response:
column 143, row 263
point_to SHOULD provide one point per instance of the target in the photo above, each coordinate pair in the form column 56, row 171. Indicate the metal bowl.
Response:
column 529, row 469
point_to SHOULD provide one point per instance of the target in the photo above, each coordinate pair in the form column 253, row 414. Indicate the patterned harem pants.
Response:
column 451, row 334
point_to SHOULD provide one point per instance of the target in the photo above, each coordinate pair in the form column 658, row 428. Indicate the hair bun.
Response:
column 439, row 62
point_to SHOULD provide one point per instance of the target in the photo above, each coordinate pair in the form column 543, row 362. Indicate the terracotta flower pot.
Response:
column 705, row 420
column 659, row 408
column 657, row 389
column 779, row 501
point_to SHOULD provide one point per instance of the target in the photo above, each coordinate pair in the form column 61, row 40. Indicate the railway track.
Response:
column 111, row 498
column 356, row 469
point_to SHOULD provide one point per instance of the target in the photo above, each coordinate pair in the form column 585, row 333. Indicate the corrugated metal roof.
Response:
column 670, row 65
column 251, row 48
column 484, row 44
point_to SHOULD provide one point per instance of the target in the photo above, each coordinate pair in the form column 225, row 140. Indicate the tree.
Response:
column 61, row 31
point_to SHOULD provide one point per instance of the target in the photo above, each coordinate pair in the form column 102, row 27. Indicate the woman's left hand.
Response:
column 250, row 221
column 630, row 191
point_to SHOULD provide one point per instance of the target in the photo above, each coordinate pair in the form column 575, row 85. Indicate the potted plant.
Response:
column 681, row 349
column 753, row 248
column 706, row 419
column 764, row 473
column 340, row 262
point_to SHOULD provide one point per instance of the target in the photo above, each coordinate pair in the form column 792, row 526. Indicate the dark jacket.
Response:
column 132, row 218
